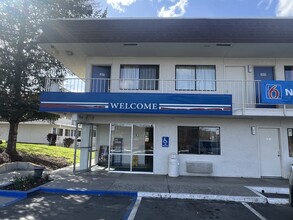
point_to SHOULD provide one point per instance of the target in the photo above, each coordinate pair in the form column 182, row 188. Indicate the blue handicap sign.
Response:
column 165, row 141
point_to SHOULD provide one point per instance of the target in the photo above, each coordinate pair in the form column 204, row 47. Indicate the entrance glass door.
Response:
column 142, row 149
column 131, row 148
column 120, row 151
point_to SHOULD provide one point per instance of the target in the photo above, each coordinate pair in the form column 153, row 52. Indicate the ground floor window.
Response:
column 67, row 132
column 60, row 132
column 199, row 140
column 290, row 141
column 131, row 147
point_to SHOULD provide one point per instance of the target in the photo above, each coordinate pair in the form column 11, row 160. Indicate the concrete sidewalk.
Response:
column 102, row 180
column 218, row 188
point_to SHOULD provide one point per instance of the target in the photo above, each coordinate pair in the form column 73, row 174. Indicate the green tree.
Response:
column 23, row 64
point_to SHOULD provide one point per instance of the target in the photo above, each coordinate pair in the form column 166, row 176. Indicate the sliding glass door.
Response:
column 131, row 147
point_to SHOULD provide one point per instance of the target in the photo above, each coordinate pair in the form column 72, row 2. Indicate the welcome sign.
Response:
column 277, row 92
column 137, row 103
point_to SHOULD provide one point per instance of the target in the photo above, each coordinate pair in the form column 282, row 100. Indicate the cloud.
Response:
column 284, row 8
column 120, row 4
column 267, row 2
column 175, row 10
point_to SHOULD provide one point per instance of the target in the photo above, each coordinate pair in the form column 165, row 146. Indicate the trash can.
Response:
column 173, row 165
column 38, row 172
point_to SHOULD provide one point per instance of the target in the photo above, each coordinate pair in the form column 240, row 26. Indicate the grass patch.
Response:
column 50, row 151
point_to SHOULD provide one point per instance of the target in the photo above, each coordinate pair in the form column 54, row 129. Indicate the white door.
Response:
column 235, row 84
column 270, row 152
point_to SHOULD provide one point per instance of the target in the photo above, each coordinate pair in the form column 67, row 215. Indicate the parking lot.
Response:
column 203, row 209
column 59, row 206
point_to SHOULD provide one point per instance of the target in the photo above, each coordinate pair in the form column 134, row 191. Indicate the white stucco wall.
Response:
column 240, row 154
column 167, row 65
column 239, row 148
column 30, row 133
column 36, row 132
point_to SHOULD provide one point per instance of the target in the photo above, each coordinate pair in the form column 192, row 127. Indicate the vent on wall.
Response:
column 223, row 45
column 130, row 44
column 200, row 167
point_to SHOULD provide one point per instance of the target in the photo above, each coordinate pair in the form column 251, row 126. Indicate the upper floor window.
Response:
column 289, row 73
column 139, row 77
column 196, row 78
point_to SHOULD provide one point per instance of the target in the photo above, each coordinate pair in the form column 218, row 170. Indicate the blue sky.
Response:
column 198, row 8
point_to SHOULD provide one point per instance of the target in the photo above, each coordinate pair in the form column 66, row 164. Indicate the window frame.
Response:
column 195, row 79
column 291, row 69
column 290, row 152
column 67, row 132
column 139, row 67
column 60, row 132
column 199, row 140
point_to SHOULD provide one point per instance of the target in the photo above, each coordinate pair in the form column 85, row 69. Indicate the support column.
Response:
column 84, row 147
column 97, row 146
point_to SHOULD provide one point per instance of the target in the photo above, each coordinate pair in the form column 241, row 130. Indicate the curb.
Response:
column 249, row 199
column 274, row 190
column 246, row 199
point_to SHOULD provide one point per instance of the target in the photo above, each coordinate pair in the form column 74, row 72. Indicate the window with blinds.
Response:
column 139, row 77
column 196, row 78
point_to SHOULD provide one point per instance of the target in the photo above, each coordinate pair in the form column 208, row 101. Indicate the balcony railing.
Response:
column 245, row 94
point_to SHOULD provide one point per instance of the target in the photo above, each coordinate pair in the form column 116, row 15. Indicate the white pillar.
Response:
column 84, row 147
column 97, row 147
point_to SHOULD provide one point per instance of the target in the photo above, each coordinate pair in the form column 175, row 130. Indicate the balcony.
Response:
column 246, row 99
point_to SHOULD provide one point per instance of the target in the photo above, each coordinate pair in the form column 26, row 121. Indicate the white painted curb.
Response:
column 248, row 199
column 275, row 190
column 277, row 201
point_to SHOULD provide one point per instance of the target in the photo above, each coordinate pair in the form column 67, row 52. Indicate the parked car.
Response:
column 291, row 187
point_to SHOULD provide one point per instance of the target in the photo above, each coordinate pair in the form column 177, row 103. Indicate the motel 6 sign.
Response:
column 273, row 91
column 277, row 92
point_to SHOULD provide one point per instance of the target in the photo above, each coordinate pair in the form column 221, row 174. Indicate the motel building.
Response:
column 215, row 93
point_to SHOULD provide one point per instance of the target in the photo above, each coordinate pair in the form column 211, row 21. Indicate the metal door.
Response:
column 270, row 152
column 101, row 79
column 260, row 74
column 235, row 84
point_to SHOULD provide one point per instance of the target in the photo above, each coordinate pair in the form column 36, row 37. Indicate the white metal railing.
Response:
column 245, row 94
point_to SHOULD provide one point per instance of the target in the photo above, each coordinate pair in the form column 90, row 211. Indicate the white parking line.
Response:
column 134, row 209
column 254, row 211
column 249, row 199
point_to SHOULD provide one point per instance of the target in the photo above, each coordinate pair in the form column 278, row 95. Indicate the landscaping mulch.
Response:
column 51, row 163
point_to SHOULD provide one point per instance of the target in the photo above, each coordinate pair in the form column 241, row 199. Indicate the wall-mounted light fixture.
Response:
column 54, row 50
column 253, row 130
column 249, row 68
column 69, row 53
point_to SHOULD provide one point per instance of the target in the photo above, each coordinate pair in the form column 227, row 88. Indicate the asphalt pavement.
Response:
column 156, row 197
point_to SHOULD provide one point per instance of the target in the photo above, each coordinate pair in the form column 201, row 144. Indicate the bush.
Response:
column 24, row 183
column 67, row 142
column 51, row 138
